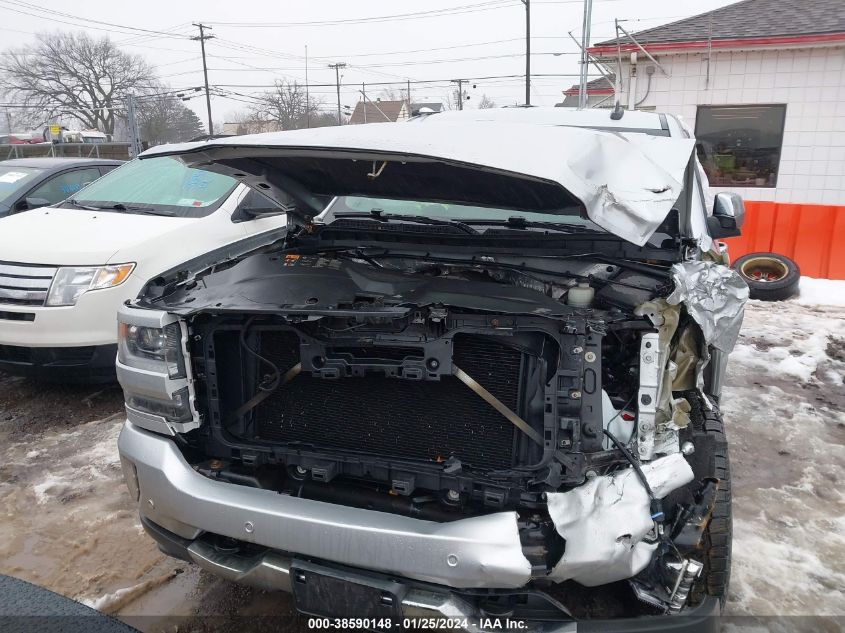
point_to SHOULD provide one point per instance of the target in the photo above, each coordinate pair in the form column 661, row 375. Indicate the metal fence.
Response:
column 118, row 151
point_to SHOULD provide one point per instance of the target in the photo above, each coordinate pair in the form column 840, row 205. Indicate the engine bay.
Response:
column 444, row 387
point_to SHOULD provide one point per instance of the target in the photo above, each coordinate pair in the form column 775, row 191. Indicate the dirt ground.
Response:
column 68, row 523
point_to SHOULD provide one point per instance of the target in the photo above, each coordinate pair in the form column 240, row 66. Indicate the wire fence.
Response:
column 118, row 151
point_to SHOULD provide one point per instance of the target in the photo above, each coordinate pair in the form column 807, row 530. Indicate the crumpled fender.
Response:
column 606, row 521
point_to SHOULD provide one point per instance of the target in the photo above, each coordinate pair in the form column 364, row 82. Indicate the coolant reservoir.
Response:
column 580, row 296
column 614, row 421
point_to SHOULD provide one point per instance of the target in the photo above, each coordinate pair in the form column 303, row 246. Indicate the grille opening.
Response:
column 17, row 316
column 427, row 421
column 51, row 356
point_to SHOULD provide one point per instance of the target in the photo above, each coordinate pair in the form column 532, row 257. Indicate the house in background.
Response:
column 380, row 112
column 599, row 94
column 434, row 106
column 762, row 83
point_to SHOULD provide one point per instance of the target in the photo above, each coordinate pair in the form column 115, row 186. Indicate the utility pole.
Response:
column 307, row 94
column 585, row 56
column 527, row 4
column 202, row 37
column 337, row 66
column 460, row 83
column 134, row 135
column 410, row 113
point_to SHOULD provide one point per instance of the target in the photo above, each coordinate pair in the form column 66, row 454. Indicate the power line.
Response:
column 364, row 67
column 447, row 11
column 467, row 8
column 428, row 50
column 138, row 39
column 87, row 21
column 413, row 81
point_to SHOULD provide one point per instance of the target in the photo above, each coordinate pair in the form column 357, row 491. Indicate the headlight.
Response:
column 151, row 348
column 175, row 409
column 71, row 282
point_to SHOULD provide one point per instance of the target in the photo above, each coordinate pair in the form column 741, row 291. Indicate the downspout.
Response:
column 632, row 83
column 649, row 70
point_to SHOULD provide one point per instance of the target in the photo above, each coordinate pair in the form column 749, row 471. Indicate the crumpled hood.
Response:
column 76, row 237
column 627, row 182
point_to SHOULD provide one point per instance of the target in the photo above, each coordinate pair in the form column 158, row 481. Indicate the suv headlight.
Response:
column 71, row 282
column 152, row 349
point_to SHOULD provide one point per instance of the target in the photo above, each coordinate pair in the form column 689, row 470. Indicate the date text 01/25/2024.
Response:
column 487, row 624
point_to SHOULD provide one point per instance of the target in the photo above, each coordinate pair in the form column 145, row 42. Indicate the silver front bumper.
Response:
column 478, row 552
column 272, row 571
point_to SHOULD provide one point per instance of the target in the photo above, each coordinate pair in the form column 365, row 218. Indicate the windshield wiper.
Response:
column 79, row 205
column 130, row 208
column 381, row 216
column 520, row 223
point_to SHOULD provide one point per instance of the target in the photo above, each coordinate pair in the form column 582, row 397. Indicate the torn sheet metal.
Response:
column 606, row 522
column 616, row 197
column 714, row 296
column 628, row 183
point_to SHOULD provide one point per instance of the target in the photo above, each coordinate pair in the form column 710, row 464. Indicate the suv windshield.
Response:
column 451, row 211
column 13, row 179
column 163, row 185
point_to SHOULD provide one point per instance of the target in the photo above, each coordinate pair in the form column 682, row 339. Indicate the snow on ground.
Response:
column 814, row 292
column 67, row 521
column 69, row 525
column 784, row 405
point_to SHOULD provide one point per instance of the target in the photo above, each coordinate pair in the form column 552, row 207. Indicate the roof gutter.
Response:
column 657, row 47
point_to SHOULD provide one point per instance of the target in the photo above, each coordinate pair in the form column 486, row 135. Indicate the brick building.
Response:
column 762, row 82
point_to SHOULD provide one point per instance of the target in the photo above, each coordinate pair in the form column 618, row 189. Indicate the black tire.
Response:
column 770, row 277
column 27, row 608
column 707, row 432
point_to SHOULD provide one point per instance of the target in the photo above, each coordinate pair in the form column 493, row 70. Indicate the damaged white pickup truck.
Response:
column 477, row 375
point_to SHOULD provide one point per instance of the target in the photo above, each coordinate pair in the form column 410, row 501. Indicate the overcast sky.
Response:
column 257, row 42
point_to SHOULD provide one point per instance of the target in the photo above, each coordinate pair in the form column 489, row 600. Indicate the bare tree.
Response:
column 287, row 106
column 323, row 119
column 163, row 118
column 247, row 122
column 16, row 118
column 392, row 94
column 74, row 75
column 486, row 102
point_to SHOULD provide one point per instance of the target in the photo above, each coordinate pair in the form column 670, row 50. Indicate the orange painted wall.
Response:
column 811, row 234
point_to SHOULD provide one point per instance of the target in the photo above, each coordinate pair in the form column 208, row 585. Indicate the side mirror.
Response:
column 31, row 203
column 728, row 215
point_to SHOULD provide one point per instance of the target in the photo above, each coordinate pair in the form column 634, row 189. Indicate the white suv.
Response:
column 65, row 270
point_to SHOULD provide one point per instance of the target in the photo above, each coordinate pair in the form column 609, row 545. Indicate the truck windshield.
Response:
column 451, row 211
column 162, row 184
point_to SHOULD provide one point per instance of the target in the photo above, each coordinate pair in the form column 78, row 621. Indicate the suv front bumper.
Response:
column 70, row 364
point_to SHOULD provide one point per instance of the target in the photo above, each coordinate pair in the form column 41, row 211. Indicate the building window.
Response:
column 739, row 146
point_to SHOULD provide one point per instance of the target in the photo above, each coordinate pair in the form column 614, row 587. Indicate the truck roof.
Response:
column 653, row 123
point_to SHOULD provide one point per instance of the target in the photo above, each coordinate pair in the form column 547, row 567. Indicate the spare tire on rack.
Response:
column 770, row 277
